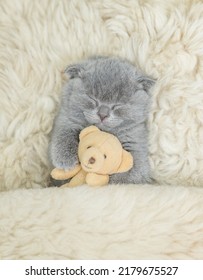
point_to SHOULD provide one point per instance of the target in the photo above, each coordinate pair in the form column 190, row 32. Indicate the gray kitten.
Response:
column 113, row 95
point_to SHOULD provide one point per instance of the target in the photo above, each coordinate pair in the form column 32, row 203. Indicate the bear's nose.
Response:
column 91, row 160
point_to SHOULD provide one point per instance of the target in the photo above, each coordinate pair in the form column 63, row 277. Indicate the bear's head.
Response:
column 101, row 152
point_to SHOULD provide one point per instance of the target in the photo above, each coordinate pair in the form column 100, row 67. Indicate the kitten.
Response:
column 113, row 95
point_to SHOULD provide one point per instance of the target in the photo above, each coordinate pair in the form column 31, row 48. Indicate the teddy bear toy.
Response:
column 100, row 154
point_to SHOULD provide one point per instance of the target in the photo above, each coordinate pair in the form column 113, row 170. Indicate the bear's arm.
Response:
column 61, row 174
column 93, row 179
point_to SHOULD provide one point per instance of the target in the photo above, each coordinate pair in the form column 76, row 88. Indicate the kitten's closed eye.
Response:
column 120, row 110
column 88, row 103
column 93, row 100
column 117, row 106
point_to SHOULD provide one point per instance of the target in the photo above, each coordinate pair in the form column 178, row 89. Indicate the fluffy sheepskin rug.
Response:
column 38, row 40
column 141, row 222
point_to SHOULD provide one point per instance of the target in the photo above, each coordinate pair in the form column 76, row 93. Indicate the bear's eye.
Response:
column 89, row 147
column 105, row 156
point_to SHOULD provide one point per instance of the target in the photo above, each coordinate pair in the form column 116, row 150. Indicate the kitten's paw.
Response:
column 130, row 178
column 120, row 178
column 65, row 163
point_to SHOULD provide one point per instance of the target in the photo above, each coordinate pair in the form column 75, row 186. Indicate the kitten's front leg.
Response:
column 64, row 148
column 130, row 177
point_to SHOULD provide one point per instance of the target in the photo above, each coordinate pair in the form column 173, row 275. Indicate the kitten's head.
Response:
column 108, row 92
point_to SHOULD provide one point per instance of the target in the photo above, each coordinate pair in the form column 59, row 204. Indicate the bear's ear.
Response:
column 88, row 130
column 74, row 71
column 127, row 162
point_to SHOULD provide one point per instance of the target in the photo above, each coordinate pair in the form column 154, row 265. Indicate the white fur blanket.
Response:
column 38, row 40
column 134, row 222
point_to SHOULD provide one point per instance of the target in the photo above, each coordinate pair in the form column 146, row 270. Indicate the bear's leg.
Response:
column 78, row 179
column 93, row 179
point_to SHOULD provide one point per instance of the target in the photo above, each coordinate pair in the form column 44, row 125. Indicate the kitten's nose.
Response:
column 103, row 112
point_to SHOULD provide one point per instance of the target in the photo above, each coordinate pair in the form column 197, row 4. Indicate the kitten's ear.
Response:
column 146, row 82
column 74, row 71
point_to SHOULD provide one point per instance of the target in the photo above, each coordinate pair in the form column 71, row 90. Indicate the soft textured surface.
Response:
column 38, row 39
column 102, row 223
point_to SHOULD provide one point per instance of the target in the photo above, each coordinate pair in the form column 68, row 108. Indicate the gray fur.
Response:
column 120, row 93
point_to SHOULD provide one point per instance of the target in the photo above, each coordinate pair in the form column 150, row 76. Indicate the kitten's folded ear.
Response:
column 74, row 71
column 146, row 82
